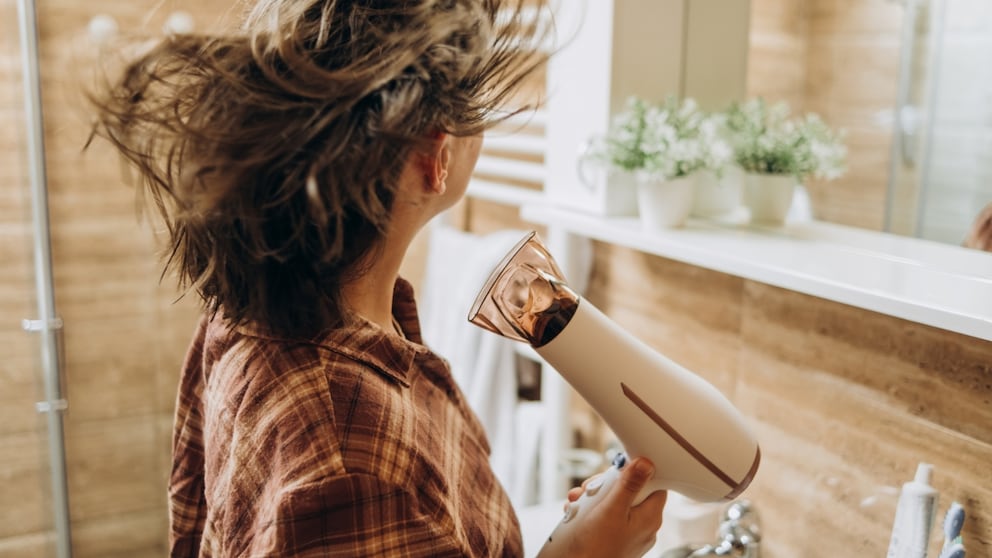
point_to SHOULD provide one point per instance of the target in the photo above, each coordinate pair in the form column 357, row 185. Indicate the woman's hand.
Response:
column 609, row 525
column 576, row 492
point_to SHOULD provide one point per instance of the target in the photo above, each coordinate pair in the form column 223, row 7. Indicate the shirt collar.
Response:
column 366, row 342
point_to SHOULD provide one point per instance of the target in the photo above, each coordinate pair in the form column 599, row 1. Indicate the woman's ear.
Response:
column 437, row 163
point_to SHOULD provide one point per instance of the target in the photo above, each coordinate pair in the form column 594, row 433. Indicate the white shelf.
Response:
column 925, row 282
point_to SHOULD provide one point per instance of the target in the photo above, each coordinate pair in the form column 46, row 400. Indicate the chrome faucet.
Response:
column 739, row 536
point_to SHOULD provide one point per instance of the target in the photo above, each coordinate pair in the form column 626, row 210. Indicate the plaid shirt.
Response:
column 355, row 443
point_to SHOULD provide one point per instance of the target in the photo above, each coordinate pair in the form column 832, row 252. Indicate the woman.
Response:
column 293, row 162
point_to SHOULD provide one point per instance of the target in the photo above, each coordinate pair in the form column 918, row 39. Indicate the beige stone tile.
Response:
column 858, row 78
column 16, row 248
column 782, row 16
column 103, row 200
column 845, row 208
column 819, row 79
column 623, row 274
column 87, row 299
column 102, row 270
column 114, row 467
column 15, row 193
column 855, row 17
column 843, row 204
column 859, row 197
column 92, row 241
column 30, row 545
column 777, row 70
column 15, row 205
column 21, row 378
column 111, row 368
column 833, row 452
column 939, row 376
column 177, row 323
column 133, row 534
column 24, row 482
column 164, row 424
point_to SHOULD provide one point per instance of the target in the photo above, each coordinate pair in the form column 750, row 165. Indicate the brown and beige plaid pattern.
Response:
column 355, row 443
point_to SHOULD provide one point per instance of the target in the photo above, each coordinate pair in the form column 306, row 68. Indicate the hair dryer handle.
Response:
column 595, row 490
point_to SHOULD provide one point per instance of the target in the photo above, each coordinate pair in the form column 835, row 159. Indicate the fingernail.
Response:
column 594, row 485
column 643, row 468
column 570, row 512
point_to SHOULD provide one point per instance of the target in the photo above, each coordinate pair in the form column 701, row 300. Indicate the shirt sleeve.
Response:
column 357, row 515
column 187, row 503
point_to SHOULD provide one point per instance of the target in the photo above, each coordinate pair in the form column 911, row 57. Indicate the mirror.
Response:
column 910, row 84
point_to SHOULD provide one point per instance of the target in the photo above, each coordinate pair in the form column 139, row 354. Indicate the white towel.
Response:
column 482, row 363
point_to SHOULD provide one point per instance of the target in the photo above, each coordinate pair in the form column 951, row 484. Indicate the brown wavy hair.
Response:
column 272, row 152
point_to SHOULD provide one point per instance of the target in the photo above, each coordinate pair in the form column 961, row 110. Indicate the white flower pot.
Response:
column 714, row 196
column 664, row 204
column 603, row 190
column 769, row 197
column 620, row 198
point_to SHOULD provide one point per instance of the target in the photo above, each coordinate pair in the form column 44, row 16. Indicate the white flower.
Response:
column 669, row 140
column 767, row 141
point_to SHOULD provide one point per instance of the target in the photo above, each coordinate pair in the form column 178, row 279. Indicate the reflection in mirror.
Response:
column 909, row 82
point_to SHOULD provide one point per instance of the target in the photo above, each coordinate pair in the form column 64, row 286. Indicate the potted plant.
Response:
column 660, row 147
column 717, row 189
column 619, row 153
column 672, row 155
column 777, row 153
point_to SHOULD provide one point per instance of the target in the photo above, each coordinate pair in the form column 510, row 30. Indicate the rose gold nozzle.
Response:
column 526, row 297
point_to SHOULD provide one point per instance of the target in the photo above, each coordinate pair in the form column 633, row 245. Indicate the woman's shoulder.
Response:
column 307, row 377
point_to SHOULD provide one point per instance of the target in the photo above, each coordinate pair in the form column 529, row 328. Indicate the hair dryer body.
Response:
column 699, row 442
column 696, row 438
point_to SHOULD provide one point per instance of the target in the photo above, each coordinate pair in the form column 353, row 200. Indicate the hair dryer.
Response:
column 698, row 441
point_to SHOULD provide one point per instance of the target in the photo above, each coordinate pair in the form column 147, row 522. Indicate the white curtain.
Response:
column 458, row 264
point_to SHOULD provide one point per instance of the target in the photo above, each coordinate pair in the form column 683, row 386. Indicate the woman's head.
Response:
column 274, row 152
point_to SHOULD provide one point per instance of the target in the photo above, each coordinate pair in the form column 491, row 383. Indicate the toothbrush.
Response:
column 954, row 550
column 952, row 524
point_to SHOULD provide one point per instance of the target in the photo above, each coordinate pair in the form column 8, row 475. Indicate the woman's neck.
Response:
column 371, row 294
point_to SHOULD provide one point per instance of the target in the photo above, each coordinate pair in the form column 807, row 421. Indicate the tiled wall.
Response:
column 21, row 444
column 776, row 65
column 845, row 402
column 124, row 337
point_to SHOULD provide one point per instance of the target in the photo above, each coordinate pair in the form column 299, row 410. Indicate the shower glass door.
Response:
column 29, row 512
column 942, row 154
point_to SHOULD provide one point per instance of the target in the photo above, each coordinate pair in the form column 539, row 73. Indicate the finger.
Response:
column 632, row 479
column 590, row 479
column 650, row 511
column 574, row 493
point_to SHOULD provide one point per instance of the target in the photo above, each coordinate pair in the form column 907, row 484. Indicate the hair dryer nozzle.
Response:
column 526, row 297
